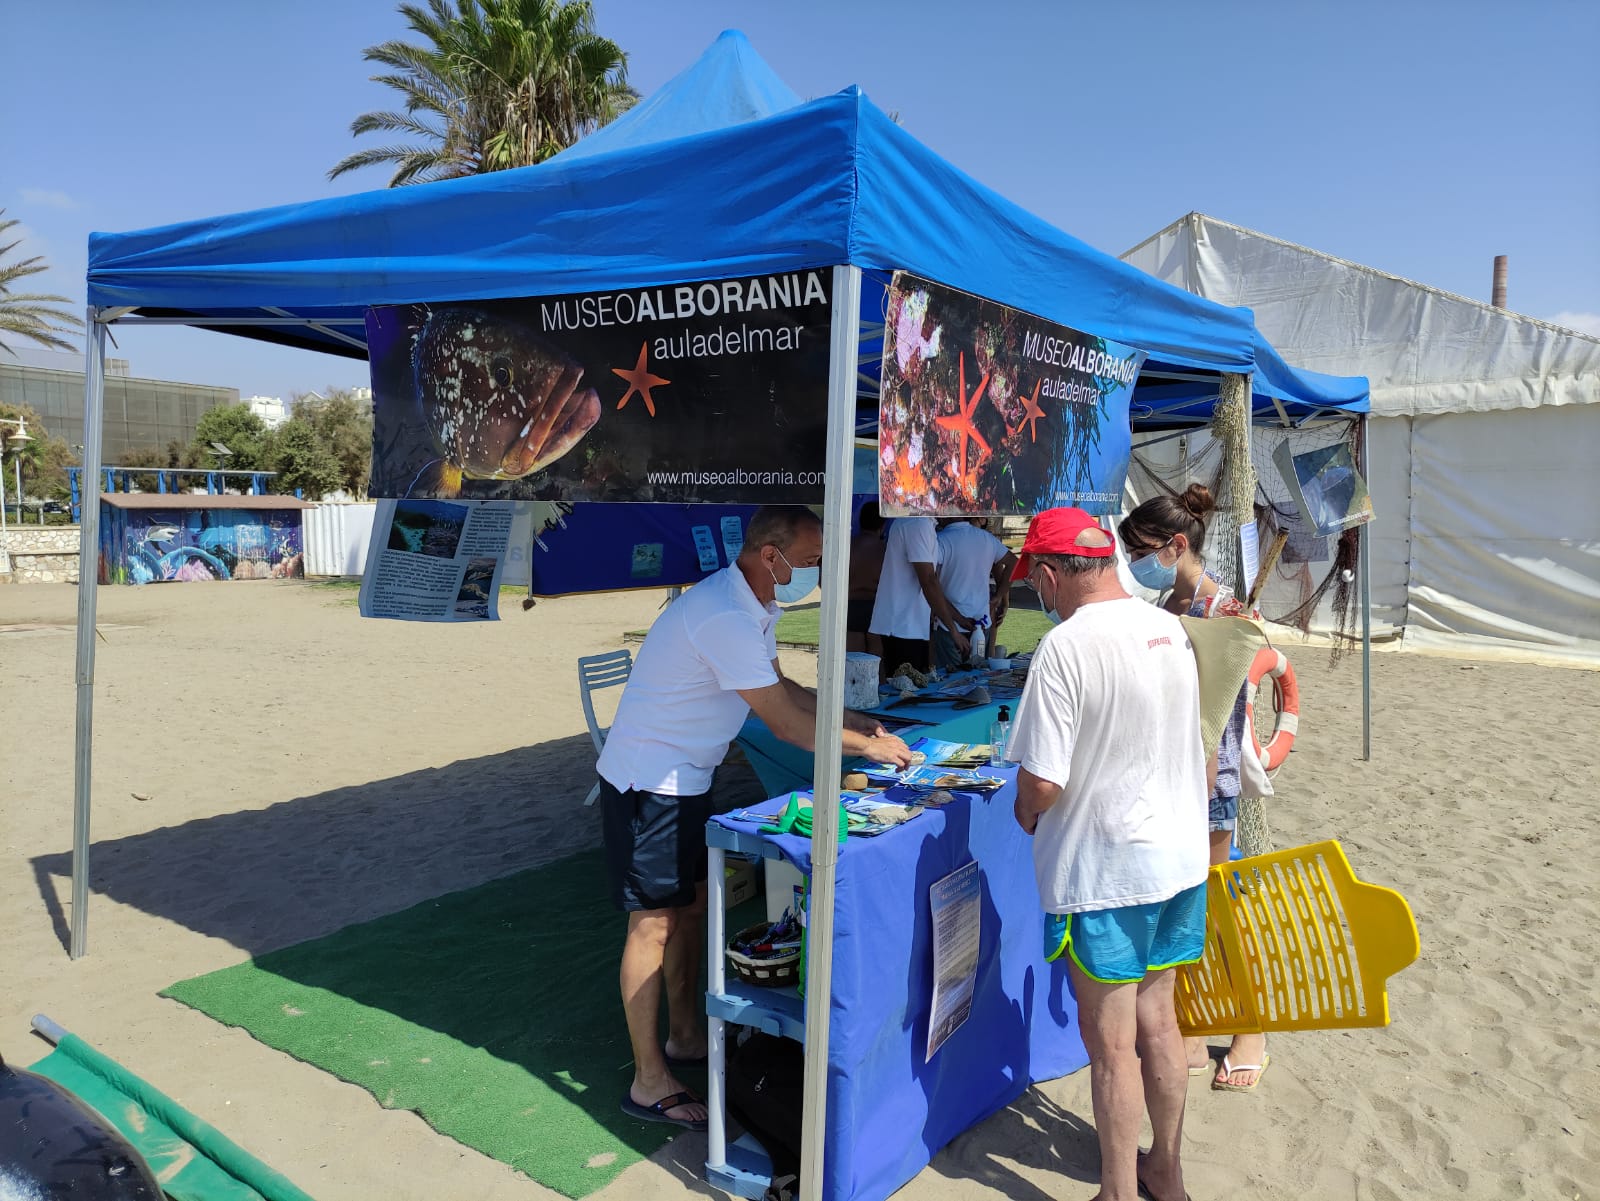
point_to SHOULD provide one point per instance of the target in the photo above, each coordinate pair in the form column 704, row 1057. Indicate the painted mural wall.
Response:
column 146, row 546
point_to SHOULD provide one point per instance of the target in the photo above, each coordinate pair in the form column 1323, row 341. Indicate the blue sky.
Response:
column 1421, row 137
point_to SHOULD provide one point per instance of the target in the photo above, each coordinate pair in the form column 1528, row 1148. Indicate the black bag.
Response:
column 766, row 1082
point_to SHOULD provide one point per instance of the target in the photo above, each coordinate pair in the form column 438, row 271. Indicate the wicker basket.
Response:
column 779, row 971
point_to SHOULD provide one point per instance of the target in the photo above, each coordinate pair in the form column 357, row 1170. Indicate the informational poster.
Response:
column 1249, row 556
column 436, row 560
column 957, row 926
column 988, row 409
column 609, row 548
column 713, row 391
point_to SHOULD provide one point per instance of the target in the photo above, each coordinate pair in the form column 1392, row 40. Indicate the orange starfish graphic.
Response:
column 1032, row 414
column 961, row 422
column 640, row 380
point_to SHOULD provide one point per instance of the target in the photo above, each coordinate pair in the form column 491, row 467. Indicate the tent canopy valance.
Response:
column 721, row 174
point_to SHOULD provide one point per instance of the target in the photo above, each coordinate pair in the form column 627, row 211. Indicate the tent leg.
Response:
column 845, row 343
column 94, row 394
column 1366, row 606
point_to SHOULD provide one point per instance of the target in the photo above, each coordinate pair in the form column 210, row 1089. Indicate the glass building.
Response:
column 138, row 412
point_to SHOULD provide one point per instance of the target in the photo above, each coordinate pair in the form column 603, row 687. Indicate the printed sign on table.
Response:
column 988, row 409
column 957, row 926
column 695, row 392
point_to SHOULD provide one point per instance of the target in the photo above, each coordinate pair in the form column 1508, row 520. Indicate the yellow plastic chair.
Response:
column 1295, row 942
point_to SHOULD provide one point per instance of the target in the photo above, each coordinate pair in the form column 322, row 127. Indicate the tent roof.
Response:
column 1425, row 350
column 692, row 186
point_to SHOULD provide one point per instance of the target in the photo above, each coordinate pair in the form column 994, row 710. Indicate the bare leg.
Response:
column 1107, row 1018
column 1246, row 1048
column 642, row 957
column 686, row 1031
column 1165, row 1083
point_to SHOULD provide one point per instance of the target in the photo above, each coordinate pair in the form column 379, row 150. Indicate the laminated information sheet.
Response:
column 436, row 560
column 957, row 926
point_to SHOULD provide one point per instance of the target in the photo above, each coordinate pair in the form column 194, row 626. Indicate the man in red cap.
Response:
column 1113, row 789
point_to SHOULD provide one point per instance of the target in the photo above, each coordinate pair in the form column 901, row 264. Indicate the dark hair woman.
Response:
column 1163, row 539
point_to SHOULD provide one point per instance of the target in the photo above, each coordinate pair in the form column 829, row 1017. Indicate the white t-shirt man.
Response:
column 967, row 556
column 1112, row 711
column 901, row 611
column 681, row 706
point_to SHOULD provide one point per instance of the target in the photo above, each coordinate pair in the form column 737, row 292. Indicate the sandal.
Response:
column 658, row 1111
column 1221, row 1085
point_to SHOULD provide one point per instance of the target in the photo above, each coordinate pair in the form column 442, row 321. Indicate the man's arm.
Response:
column 1035, row 796
column 1002, row 592
column 795, row 723
column 928, row 577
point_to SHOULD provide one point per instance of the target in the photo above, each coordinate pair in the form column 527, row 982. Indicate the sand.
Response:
column 269, row 768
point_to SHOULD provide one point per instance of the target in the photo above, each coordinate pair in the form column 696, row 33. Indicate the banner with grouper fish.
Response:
column 987, row 409
column 693, row 392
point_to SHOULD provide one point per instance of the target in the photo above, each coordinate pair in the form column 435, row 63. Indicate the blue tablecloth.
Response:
column 783, row 767
column 889, row 1111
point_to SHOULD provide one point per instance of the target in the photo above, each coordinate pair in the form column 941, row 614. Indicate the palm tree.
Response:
column 496, row 84
column 31, row 315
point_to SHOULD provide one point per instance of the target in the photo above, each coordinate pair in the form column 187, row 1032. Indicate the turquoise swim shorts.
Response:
column 1118, row 946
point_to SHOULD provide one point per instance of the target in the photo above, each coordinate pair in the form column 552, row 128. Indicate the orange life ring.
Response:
column 1270, row 663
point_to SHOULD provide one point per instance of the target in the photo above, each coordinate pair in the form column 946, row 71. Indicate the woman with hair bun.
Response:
column 1163, row 539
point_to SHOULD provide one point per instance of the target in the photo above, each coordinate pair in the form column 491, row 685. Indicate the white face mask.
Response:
column 802, row 581
column 1051, row 613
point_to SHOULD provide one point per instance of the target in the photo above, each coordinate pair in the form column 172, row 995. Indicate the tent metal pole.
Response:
column 94, row 395
column 1366, row 605
column 830, row 718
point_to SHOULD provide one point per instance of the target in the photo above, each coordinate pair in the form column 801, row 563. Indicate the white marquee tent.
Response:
column 1483, row 438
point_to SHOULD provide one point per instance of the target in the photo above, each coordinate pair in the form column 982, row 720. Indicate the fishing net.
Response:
column 1312, row 583
column 1312, row 580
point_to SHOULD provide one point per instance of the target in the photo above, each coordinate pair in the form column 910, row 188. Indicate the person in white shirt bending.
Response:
column 709, row 659
column 970, row 559
column 1113, row 788
column 909, row 595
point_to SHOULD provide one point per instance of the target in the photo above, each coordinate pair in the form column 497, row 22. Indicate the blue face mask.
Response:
column 1153, row 574
column 802, row 582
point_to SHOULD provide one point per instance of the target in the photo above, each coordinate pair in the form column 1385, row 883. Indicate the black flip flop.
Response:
column 658, row 1111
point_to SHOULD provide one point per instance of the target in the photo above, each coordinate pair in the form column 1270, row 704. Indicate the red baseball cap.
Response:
column 1063, row 532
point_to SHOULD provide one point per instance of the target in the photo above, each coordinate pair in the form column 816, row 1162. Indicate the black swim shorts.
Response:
column 655, row 846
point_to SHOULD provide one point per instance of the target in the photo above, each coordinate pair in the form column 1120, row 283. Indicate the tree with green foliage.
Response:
column 302, row 460
column 31, row 315
column 343, row 424
column 45, row 457
column 235, row 427
column 494, row 84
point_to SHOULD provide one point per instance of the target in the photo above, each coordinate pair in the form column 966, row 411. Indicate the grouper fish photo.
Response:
column 499, row 402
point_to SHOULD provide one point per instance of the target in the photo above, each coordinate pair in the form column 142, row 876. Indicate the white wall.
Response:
column 335, row 538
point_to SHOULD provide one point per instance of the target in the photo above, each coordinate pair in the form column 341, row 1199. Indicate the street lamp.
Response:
column 18, row 438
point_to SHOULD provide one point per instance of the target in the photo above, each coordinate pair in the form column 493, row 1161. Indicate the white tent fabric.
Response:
column 1482, row 437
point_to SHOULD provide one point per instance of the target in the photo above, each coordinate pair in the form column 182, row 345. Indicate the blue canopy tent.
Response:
column 724, row 172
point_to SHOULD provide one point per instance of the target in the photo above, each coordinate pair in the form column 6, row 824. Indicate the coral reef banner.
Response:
column 145, row 546
column 695, row 392
column 987, row 409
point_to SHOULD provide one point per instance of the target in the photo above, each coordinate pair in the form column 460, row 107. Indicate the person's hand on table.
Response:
column 886, row 748
column 863, row 723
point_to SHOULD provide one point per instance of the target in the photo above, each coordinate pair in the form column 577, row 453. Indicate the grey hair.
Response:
column 1077, row 564
column 779, row 526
